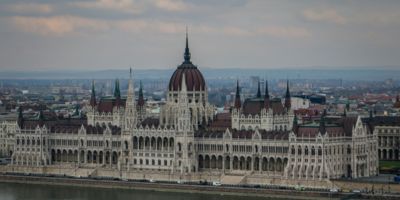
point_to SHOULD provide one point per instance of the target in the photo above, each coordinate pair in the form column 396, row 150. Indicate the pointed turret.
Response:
column 287, row 96
column 93, row 102
column 238, row 103
column 322, row 125
column 130, row 106
column 183, row 117
column 258, row 90
column 117, row 94
column 141, row 98
column 295, row 124
column 266, row 96
column 41, row 117
column 186, row 55
column 131, row 89
column 20, row 118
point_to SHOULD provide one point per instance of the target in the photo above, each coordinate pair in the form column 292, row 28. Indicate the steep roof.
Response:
column 106, row 104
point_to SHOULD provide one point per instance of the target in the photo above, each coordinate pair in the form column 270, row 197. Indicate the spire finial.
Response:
column 117, row 92
column 186, row 56
column 287, row 96
column 322, row 125
column 237, row 88
column 141, row 98
column 130, row 72
column 266, row 89
column 266, row 96
column 237, row 98
column 93, row 96
column 287, row 88
column 20, row 117
column 258, row 90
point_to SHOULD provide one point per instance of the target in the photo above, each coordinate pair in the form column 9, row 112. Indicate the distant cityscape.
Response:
column 63, row 95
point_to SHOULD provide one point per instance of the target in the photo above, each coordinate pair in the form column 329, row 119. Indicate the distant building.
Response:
column 388, row 130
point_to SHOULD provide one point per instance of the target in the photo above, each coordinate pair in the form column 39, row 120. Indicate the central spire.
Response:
column 186, row 56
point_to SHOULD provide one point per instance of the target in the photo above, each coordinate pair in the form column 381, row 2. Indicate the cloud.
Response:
column 30, row 8
column 284, row 32
column 325, row 15
column 170, row 5
column 67, row 25
column 127, row 6
column 58, row 25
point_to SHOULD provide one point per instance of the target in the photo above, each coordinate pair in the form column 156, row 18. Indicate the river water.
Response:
column 14, row 191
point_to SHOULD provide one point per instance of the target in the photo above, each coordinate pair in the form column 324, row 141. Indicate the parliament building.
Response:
column 260, row 138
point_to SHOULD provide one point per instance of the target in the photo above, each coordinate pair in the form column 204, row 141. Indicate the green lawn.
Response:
column 387, row 165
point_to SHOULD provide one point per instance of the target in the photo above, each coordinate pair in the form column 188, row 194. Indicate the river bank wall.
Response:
column 220, row 190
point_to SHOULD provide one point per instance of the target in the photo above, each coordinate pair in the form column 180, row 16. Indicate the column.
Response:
column 85, row 157
column 79, row 158
column 231, row 163
column 223, row 164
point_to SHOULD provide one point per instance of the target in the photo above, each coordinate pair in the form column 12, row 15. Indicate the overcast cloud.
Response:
column 115, row 34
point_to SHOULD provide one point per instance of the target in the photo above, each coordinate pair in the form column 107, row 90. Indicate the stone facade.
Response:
column 260, row 137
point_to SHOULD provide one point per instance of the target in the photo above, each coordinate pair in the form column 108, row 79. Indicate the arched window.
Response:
column 189, row 146
column 179, row 146
column 126, row 144
column 348, row 149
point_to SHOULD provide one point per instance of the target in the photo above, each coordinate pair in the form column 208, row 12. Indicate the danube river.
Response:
column 15, row 191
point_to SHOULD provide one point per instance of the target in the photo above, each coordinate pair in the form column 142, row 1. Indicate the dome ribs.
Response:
column 194, row 78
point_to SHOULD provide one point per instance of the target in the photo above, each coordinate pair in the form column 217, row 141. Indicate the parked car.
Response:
column 356, row 191
column 216, row 183
column 334, row 190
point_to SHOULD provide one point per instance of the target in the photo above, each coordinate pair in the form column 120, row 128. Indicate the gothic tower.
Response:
column 185, row 161
column 130, row 107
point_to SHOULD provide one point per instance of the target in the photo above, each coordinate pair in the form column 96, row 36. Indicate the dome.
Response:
column 194, row 78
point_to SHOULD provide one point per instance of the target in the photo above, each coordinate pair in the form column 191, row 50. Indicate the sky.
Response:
column 150, row 34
